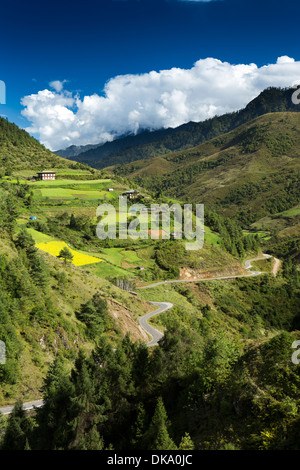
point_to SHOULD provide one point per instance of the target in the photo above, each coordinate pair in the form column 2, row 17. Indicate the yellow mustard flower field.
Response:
column 54, row 248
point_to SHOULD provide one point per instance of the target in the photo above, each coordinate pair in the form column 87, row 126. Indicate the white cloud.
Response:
column 285, row 60
column 57, row 85
column 153, row 100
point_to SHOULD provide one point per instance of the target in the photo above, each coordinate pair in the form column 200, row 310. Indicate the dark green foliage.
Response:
column 286, row 248
column 257, row 136
column 233, row 239
column 15, row 198
column 73, row 222
column 196, row 392
column 290, row 196
column 157, row 434
column 36, row 264
column 79, row 231
column 170, row 256
column 94, row 314
column 27, row 312
column 269, row 303
column 9, row 210
column 18, row 428
column 20, row 150
column 65, row 254
column 54, row 415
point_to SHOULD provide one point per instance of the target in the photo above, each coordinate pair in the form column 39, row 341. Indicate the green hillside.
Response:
column 70, row 303
column 151, row 144
column 282, row 233
column 221, row 379
column 19, row 150
column 48, row 306
column 247, row 173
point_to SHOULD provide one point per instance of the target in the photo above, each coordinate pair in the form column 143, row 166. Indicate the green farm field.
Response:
column 70, row 182
column 56, row 201
column 70, row 193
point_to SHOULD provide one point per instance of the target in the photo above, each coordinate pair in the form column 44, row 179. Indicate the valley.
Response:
column 150, row 230
column 163, row 322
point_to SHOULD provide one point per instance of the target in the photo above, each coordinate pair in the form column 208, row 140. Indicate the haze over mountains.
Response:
column 149, row 144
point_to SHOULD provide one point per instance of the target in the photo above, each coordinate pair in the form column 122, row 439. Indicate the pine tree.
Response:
column 55, row 413
column 66, row 254
column 91, row 440
column 17, row 430
column 163, row 440
column 84, row 410
column 186, row 443
column 73, row 223
column 158, row 431
column 139, row 427
column 25, row 242
column 39, row 271
column 95, row 315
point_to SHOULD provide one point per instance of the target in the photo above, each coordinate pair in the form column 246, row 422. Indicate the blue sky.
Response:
column 86, row 44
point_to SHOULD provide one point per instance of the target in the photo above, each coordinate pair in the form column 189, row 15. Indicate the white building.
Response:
column 46, row 175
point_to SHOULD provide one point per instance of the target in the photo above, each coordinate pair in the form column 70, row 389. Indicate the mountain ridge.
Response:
column 148, row 144
column 252, row 168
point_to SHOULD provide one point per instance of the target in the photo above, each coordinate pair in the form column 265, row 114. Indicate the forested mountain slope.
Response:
column 249, row 172
column 49, row 306
column 222, row 376
column 19, row 150
column 150, row 144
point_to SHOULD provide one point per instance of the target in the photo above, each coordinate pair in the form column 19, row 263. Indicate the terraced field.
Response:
column 56, row 201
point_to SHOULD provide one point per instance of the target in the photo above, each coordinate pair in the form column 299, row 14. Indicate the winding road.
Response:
column 156, row 334
column 247, row 266
column 162, row 307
